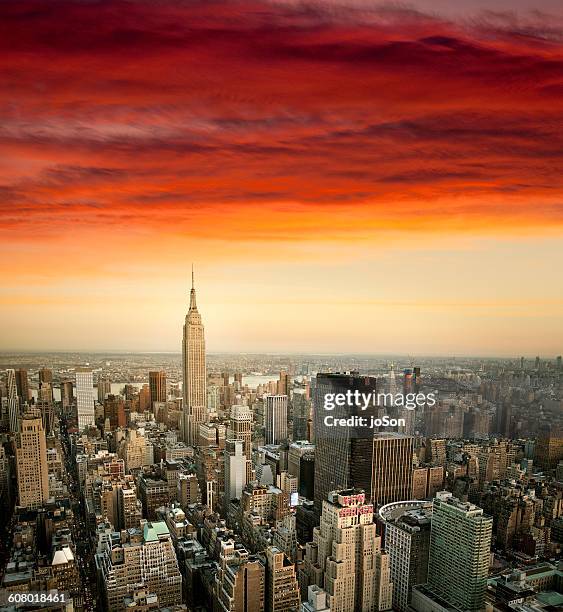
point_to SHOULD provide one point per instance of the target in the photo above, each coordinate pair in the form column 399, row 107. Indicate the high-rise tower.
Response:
column 345, row 557
column 458, row 564
column 85, row 398
column 343, row 458
column 194, row 372
column 157, row 386
column 31, row 462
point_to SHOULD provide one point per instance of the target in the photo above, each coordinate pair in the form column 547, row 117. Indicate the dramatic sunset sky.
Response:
column 346, row 177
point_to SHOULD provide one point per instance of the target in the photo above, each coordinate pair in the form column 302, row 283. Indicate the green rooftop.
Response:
column 152, row 531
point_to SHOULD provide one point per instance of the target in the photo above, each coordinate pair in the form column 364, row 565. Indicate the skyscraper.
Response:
column 391, row 467
column 46, row 384
column 341, row 460
column 22, row 385
column 283, row 383
column 67, row 394
column 31, row 462
column 460, row 542
column 157, row 386
column 235, row 471
column 11, row 384
column 240, row 583
column 282, row 588
column 194, row 372
column 85, row 397
column 13, row 401
column 301, row 415
column 104, row 388
column 407, row 540
column 349, row 562
column 275, row 418
column 148, row 559
column 240, row 428
column 45, row 376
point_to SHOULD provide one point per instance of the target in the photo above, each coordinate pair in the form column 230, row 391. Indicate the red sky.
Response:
column 138, row 136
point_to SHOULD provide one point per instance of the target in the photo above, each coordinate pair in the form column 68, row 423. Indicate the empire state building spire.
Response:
column 194, row 409
column 193, row 305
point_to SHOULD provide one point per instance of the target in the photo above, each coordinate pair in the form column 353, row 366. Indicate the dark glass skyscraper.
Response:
column 343, row 458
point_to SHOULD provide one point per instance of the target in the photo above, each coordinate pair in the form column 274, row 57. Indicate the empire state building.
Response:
column 194, row 373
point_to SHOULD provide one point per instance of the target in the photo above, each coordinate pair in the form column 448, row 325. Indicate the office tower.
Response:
column 67, row 395
column 104, row 388
column 145, row 403
column 14, row 414
column 240, row 583
column 548, row 449
column 11, row 384
column 157, row 386
column 391, row 467
column 316, row 600
column 342, row 461
column 537, row 363
column 347, row 548
column 235, row 471
column 283, row 383
column 240, row 428
column 558, row 363
column 114, row 410
column 146, row 560
column 275, row 418
column 45, row 376
column 301, row 463
column 47, row 411
column 194, row 372
column 301, row 415
column 238, row 378
column 503, row 423
column 31, row 462
column 407, row 541
column 460, row 542
column 85, row 398
column 14, row 410
column 281, row 587
column 22, row 385
column 46, row 385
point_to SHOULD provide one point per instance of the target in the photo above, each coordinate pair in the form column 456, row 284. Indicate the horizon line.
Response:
column 529, row 356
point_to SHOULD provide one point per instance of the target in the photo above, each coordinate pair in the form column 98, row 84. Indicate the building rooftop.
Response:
column 153, row 531
column 63, row 556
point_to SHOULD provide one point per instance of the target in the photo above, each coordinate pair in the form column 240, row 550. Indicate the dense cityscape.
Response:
column 200, row 481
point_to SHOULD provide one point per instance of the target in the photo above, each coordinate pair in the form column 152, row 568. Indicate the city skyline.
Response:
column 394, row 167
column 281, row 316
